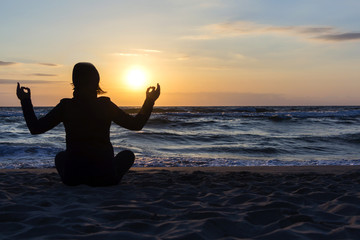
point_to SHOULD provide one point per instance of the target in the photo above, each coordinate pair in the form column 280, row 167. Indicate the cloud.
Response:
column 340, row 37
column 148, row 50
column 6, row 63
column 243, row 28
column 2, row 63
column 199, row 37
column 314, row 30
column 240, row 27
column 22, row 81
column 225, row 99
column 43, row 75
column 129, row 54
column 183, row 58
column 49, row 64
column 137, row 52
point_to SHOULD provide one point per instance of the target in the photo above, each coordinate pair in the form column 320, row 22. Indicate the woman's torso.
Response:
column 87, row 125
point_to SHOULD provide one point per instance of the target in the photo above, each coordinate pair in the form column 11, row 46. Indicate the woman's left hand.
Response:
column 154, row 93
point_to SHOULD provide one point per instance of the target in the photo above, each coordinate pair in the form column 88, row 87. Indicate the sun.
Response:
column 136, row 78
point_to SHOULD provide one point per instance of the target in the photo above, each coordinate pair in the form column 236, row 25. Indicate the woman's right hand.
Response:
column 23, row 92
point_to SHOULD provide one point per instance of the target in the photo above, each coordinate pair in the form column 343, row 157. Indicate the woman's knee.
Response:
column 60, row 158
column 126, row 154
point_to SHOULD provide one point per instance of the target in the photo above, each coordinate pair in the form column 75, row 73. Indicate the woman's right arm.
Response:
column 35, row 125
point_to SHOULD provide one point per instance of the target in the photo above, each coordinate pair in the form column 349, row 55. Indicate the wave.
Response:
column 228, row 149
column 271, row 112
column 205, row 135
column 21, row 150
column 353, row 138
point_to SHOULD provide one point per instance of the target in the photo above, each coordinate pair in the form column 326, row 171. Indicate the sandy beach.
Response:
column 314, row 202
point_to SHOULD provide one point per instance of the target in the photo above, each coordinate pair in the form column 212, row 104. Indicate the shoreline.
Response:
column 319, row 169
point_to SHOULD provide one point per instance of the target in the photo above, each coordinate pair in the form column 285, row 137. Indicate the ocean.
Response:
column 206, row 136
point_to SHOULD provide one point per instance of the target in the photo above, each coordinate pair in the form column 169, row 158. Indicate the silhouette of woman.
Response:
column 89, row 156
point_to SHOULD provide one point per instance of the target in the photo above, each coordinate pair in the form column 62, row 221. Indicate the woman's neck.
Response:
column 84, row 94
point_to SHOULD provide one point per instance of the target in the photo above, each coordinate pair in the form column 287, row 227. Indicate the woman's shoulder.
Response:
column 104, row 99
column 99, row 99
column 66, row 100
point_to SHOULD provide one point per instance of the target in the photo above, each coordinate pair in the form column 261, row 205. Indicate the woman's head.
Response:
column 86, row 78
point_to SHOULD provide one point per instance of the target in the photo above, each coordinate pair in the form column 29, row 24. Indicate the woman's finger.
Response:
column 158, row 88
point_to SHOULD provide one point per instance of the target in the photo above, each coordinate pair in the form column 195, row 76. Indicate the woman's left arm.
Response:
column 138, row 121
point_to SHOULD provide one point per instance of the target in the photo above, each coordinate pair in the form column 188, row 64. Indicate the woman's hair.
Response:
column 85, row 76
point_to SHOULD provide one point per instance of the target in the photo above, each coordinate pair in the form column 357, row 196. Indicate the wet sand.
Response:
column 314, row 202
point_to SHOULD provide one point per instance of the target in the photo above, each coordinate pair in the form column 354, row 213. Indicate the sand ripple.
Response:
column 163, row 204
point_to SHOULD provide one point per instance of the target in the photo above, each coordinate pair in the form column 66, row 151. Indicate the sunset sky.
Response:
column 269, row 52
